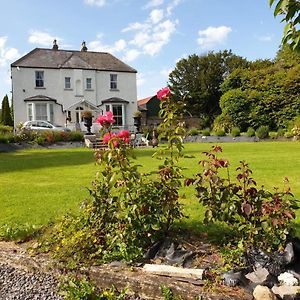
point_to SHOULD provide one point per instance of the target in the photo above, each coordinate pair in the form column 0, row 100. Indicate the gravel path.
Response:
column 17, row 284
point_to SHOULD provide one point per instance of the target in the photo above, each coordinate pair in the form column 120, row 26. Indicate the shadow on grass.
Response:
column 30, row 159
column 215, row 233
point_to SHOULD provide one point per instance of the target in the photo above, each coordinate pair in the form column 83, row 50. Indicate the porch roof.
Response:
column 85, row 103
column 114, row 100
column 40, row 98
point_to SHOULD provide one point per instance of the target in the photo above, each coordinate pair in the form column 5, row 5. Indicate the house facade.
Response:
column 58, row 85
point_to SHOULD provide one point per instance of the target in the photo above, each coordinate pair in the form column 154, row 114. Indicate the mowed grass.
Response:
column 39, row 185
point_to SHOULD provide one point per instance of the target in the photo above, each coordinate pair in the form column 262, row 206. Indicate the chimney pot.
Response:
column 55, row 46
column 83, row 47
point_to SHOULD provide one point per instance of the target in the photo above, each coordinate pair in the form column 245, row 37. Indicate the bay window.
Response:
column 40, row 111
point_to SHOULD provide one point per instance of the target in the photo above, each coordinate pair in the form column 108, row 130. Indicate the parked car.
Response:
column 44, row 125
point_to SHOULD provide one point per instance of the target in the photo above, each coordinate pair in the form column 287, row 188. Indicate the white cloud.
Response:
column 98, row 3
column 146, row 38
column 3, row 40
column 154, row 3
column 7, row 54
column 160, row 36
column 140, row 39
column 266, row 38
column 212, row 36
column 97, row 45
column 156, row 15
column 131, row 55
column 172, row 5
column 42, row 38
column 136, row 26
column 11, row 54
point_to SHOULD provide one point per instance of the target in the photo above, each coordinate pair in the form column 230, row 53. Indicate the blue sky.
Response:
column 149, row 35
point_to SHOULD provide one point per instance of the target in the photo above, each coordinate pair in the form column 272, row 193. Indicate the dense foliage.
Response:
column 262, row 96
column 197, row 80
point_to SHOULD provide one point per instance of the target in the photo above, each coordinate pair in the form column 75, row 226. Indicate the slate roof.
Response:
column 69, row 59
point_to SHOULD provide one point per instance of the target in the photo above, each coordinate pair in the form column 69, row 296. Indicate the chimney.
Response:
column 55, row 46
column 83, row 47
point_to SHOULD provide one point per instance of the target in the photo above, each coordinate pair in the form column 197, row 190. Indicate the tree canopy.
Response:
column 197, row 79
column 262, row 95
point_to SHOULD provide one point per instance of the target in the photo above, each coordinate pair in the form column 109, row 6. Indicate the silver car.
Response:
column 44, row 125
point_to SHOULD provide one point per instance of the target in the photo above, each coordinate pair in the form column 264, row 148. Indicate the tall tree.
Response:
column 198, row 78
column 6, row 118
column 289, row 9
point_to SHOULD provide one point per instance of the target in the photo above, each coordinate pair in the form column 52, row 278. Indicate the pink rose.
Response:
column 125, row 136
column 106, row 120
column 164, row 93
column 110, row 136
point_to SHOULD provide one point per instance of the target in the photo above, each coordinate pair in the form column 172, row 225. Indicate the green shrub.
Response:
column 235, row 131
column 280, row 132
column 250, row 132
column 7, row 138
column 205, row 132
column 193, row 131
column 262, row 132
column 273, row 135
column 260, row 218
column 40, row 140
column 5, row 129
column 25, row 135
column 288, row 134
column 76, row 136
column 220, row 132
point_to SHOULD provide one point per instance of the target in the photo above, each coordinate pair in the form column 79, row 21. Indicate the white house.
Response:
column 57, row 85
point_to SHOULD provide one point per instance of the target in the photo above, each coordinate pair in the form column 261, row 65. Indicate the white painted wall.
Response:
column 23, row 81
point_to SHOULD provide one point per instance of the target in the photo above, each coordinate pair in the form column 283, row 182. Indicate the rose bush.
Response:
column 106, row 120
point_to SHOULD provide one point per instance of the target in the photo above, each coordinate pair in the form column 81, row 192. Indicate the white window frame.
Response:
column 113, row 81
column 88, row 83
column 32, row 111
column 39, row 79
column 67, row 83
column 109, row 107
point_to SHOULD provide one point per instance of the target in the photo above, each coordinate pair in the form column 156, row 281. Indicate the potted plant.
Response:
column 87, row 120
column 137, row 115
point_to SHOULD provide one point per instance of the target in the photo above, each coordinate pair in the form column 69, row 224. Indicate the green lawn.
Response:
column 36, row 186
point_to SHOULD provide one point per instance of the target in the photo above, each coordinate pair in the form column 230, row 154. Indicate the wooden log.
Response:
column 171, row 271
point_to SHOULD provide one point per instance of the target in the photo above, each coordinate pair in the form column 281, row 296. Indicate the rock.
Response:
column 260, row 275
column 286, row 292
column 233, row 278
column 288, row 254
column 263, row 293
column 287, row 278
